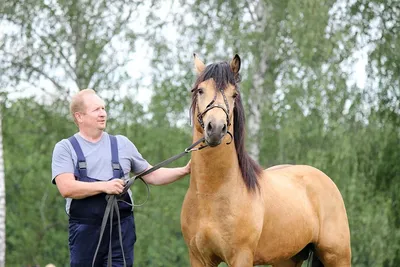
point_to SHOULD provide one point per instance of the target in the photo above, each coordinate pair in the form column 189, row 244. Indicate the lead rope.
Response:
column 112, row 202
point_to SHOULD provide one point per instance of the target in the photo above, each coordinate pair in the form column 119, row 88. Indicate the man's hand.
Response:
column 187, row 167
column 114, row 187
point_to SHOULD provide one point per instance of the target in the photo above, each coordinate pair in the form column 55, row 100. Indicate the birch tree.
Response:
column 53, row 47
column 2, row 202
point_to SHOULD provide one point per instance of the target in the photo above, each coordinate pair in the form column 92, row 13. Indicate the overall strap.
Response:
column 117, row 170
column 81, row 162
column 112, row 205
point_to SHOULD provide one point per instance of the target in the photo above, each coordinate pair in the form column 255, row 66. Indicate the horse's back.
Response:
column 302, row 175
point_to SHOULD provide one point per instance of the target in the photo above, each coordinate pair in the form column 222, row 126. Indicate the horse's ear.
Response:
column 235, row 64
column 198, row 64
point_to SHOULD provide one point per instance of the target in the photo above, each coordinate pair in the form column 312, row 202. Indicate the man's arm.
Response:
column 166, row 175
column 71, row 188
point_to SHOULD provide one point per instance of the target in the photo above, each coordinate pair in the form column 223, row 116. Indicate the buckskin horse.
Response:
column 236, row 212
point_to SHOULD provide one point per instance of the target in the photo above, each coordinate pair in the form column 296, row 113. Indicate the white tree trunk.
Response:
column 254, row 120
column 2, row 203
column 256, row 101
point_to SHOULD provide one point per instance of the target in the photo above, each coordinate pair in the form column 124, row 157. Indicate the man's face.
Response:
column 95, row 115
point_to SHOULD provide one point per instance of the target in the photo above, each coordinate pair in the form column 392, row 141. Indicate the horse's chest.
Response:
column 218, row 227
column 212, row 238
column 209, row 227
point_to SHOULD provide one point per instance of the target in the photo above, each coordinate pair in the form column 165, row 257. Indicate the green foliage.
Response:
column 301, row 107
column 36, row 222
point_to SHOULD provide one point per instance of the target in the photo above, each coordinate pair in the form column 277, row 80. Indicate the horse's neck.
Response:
column 214, row 167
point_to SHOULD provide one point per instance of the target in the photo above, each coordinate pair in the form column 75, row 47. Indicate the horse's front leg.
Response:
column 242, row 259
column 196, row 262
column 288, row 263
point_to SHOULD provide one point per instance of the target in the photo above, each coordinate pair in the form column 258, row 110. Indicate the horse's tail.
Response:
column 313, row 259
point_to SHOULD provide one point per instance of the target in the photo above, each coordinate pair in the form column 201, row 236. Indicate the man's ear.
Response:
column 78, row 116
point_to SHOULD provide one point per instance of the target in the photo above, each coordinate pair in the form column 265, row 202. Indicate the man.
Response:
column 91, row 164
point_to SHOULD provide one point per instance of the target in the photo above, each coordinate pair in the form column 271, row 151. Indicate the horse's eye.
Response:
column 235, row 95
column 200, row 91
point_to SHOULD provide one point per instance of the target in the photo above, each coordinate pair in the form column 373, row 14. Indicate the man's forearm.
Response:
column 79, row 189
column 165, row 175
column 71, row 188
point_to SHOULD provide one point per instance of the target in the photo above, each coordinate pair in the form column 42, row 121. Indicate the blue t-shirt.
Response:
column 98, row 158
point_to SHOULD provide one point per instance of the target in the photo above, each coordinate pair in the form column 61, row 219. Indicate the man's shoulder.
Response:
column 124, row 142
column 63, row 143
column 122, row 138
column 62, row 147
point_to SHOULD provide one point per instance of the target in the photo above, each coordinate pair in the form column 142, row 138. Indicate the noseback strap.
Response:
column 200, row 115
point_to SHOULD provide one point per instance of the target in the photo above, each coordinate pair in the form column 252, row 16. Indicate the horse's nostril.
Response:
column 224, row 128
column 209, row 127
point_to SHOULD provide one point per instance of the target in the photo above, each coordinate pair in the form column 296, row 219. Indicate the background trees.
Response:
column 308, row 101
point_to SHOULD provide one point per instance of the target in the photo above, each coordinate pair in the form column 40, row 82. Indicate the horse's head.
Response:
column 214, row 95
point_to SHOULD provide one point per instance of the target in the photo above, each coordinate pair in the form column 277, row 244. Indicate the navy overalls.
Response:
column 86, row 216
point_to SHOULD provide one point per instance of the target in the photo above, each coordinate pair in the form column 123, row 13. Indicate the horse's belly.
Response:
column 283, row 239
column 276, row 253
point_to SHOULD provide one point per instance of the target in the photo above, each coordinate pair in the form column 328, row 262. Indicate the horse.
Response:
column 236, row 212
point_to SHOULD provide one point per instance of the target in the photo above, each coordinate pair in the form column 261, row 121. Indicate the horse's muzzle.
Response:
column 214, row 133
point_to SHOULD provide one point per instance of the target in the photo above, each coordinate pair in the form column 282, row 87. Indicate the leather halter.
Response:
column 211, row 105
